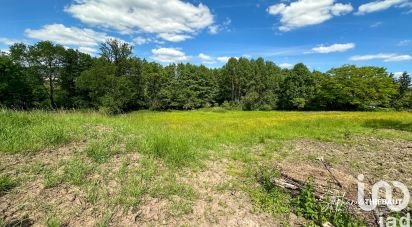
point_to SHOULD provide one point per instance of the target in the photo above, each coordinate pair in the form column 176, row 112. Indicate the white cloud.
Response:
column 384, row 57
column 216, row 28
column 140, row 40
column 169, row 55
column 303, row 13
column 405, row 42
column 397, row 74
column 206, row 59
column 83, row 39
column 9, row 42
column 172, row 37
column 171, row 20
column 88, row 50
column 334, row 48
column 377, row 24
column 4, row 51
column 223, row 59
column 285, row 65
column 379, row 6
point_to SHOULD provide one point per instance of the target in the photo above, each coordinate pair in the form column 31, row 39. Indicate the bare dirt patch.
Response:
column 34, row 203
column 222, row 207
column 212, row 207
column 12, row 163
column 334, row 167
column 377, row 159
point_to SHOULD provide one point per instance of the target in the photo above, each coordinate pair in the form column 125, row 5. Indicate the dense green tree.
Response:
column 18, row 89
column 362, row 87
column 404, row 97
column 188, row 87
column 404, row 83
column 48, row 75
column 297, row 88
column 74, row 63
column 47, row 60
column 105, row 91
column 118, row 53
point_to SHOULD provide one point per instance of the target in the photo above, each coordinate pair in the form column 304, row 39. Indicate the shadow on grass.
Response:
column 24, row 222
column 389, row 124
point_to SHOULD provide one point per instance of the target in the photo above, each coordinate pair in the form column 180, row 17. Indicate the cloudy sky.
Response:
column 321, row 33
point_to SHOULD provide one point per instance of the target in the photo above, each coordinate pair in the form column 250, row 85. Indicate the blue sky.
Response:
column 321, row 33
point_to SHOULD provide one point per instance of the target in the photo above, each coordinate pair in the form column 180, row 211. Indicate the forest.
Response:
column 49, row 76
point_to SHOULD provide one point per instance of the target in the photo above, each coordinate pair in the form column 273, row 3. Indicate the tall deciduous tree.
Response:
column 47, row 60
column 118, row 53
column 297, row 88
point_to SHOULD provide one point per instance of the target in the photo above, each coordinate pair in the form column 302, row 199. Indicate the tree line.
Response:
column 47, row 75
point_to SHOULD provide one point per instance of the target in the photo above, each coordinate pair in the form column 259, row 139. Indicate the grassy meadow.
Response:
column 181, row 168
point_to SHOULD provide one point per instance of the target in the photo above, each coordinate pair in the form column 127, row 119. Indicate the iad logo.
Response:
column 370, row 204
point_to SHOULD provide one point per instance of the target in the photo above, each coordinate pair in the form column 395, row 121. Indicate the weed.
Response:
column 6, row 184
column 53, row 221
column 321, row 211
column 270, row 198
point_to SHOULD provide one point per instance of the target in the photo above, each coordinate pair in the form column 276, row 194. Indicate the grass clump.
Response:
column 176, row 150
column 75, row 171
column 6, row 184
column 53, row 221
column 136, row 182
column 51, row 177
column 102, row 149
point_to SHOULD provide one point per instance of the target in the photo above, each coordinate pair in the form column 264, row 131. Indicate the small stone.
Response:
column 327, row 224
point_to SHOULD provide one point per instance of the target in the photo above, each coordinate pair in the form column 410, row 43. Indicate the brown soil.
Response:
column 377, row 159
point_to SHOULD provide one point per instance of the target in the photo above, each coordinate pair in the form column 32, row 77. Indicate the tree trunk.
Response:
column 52, row 104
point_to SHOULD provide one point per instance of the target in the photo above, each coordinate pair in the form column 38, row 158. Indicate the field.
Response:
column 199, row 168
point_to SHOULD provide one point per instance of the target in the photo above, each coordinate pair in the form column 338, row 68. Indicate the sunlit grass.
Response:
column 183, row 138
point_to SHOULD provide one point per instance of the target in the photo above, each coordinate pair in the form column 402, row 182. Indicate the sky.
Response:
column 320, row 33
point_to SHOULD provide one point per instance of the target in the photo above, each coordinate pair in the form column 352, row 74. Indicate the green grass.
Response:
column 6, row 184
column 76, row 171
column 184, row 138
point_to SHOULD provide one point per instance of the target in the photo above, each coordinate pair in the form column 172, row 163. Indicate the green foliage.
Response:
column 6, row 184
column 45, row 75
column 297, row 88
column 18, row 89
column 320, row 211
column 350, row 87
column 269, row 197
column 403, row 99
column 307, row 205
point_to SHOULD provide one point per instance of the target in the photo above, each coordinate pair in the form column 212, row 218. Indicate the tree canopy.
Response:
column 45, row 75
